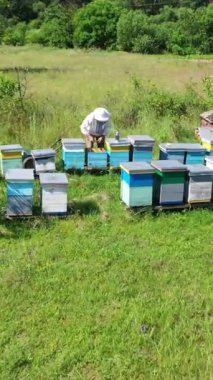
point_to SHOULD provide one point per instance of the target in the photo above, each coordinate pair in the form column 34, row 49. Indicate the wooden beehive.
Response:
column 199, row 184
column 170, row 176
column 73, row 153
column 54, row 187
column 44, row 160
column 186, row 153
column 206, row 137
column 19, row 192
column 137, row 180
column 97, row 158
column 10, row 157
column 118, row 151
column 141, row 148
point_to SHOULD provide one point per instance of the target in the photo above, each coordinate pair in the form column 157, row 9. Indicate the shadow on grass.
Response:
column 83, row 207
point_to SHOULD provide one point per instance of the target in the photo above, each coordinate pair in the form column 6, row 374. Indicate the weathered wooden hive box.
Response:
column 209, row 162
column 73, row 153
column 199, row 184
column 97, row 158
column 118, row 151
column 186, row 153
column 206, row 137
column 44, row 160
column 137, row 180
column 54, row 188
column 10, row 157
column 19, row 192
column 141, row 147
column 170, row 176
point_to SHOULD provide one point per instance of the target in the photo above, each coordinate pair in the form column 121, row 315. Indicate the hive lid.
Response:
column 120, row 142
column 169, row 166
column 43, row 153
column 199, row 169
column 53, row 178
column 141, row 139
column 19, row 175
column 9, row 148
column 73, row 141
column 137, row 167
column 183, row 147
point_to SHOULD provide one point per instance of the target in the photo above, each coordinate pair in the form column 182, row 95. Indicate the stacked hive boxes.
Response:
column 97, row 158
column 206, row 136
column 44, row 160
column 118, row 151
column 54, row 188
column 19, row 192
column 73, row 153
column 169, row 182
column 137, row 184
column 209, row 162
column 141, row 147
column 10, row 157
column 199, row 185
column 183, row 152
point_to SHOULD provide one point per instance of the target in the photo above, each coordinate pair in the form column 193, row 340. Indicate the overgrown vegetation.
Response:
column 186, row 28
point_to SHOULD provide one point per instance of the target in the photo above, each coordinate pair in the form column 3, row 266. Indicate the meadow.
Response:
column 107, row 293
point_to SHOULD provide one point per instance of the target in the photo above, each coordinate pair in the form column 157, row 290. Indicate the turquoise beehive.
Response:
column 19, row 192
column 73, row 153
column 141, row 148
column 137, row 180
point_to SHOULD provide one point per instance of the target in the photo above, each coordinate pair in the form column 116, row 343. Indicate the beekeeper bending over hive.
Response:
column 95, row 127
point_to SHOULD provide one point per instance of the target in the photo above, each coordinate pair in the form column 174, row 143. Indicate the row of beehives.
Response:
column 134, row 148
column 166, row 183
column 20, row 192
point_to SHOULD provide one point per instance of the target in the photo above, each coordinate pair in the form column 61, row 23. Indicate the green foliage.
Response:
column 56, row 30
column 8, row 87
column 95, row 25
column 15, row 35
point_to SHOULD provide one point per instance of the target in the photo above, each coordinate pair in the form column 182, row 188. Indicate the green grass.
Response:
column 106, row 293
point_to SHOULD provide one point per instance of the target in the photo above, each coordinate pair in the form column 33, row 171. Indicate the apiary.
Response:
column 137, row 180
column 19, row 192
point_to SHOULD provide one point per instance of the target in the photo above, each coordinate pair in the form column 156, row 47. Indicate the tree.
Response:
column 95, row 24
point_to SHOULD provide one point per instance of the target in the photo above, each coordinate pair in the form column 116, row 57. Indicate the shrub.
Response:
column 56, row 30
column 95, row 24
column 15, row 35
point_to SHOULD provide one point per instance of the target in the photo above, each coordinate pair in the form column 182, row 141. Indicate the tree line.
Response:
column 140, row 26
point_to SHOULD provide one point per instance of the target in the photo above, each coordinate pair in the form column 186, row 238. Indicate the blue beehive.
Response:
column 118, row 151
column 141, row 147
column 19, row 192
column 97, row 158
column 170, row 177
column 137, row 180
column 10, row 157
column 186, row 153
column 73, row 153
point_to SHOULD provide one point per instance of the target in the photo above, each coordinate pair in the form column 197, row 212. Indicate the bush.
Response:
column 3, row 24
column 15, row 35
column 95, row 25
column 34, row 36
column 56, row 30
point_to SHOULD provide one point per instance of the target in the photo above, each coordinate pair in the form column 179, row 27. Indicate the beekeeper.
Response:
column 95, row 127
